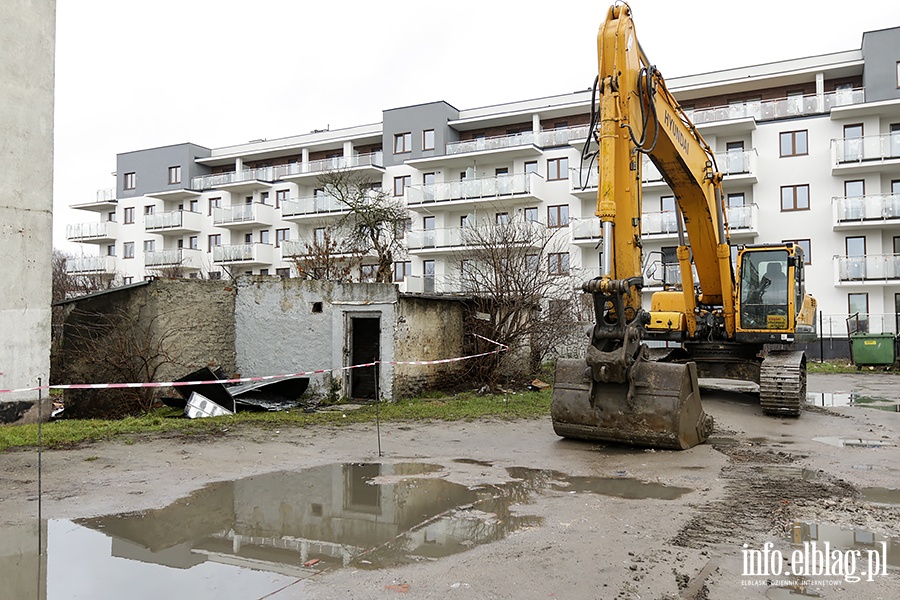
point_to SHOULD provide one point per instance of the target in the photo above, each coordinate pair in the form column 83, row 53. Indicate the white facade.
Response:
column 810, row 149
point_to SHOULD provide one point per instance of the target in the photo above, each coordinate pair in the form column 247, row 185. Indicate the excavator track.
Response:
column 782, row 383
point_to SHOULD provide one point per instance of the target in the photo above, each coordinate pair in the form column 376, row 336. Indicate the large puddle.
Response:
column 830, row 399
column 251, row 537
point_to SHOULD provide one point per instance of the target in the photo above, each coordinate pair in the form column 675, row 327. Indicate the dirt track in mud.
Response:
column 758, row 480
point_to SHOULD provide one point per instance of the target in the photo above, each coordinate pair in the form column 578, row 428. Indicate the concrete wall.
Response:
column 27, row 34
column 427, row 329
column 416, row 119
column 881, row 51
column 278, row 332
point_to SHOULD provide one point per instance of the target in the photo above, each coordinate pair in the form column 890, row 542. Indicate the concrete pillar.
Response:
column 820, row 91
column 26, row 197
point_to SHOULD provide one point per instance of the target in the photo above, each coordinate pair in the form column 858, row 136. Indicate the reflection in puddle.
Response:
column 880, row 495
column 251, row 537
column 852, row 442
column 852, row 399
column 847, row 538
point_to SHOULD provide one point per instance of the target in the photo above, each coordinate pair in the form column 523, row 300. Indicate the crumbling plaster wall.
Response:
column 427, row 329
column 277, row 331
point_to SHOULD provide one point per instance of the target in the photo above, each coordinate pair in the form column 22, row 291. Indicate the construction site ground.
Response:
column 755, row 480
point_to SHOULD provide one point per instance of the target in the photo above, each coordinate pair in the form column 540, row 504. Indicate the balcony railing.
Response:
column 177, row 219
column 243, row 213
column 586, row 229
column 90, row 264
column 87, row 231
column 467, row 189
column 448, row 237
column 247, row 253
column 875, row 207
column 106, row 195
column 866, row 148
column 562, row 136
column 491, row 143
column 269, row 174
column 872, row 267
column 312, row 205
column 188, row 258
column 736, row 162
column 742, row 217
column 659, row 222
column 374, row 159
column 766, row 110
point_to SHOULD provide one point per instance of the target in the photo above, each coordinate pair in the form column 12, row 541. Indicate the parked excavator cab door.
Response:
column 767, row 288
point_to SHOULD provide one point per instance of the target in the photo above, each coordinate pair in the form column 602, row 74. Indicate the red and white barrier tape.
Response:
column 157, row 384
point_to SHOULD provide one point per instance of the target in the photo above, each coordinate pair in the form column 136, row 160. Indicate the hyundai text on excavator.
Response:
column 728, row 323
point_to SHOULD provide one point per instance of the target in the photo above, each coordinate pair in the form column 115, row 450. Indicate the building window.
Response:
column 281, row 235
column 281, row 196
column 367, row 273
column 795, row 197
column 428, row 139
column 111, row 250
column 111, row 216
column 531, row 214
column 264, row 197
column 149, row 245
column 402, row 143
column 194, row 205
column 319, row 235
column 129, row 181
column 264, row 236
column 194, row 242
column 558, row 216
column 263, row 271
column 214, row 203
column 807, row 249
column 214, row 240
column 532, row 262
column 501, row 218
column 248, row 238
column 149, row 209
column 853, row 142
column 557, row 168
column 284, row 273
column 127, row 249
column 531, row 166
column 128, row 214
column 401, row 183
column 558, row 263
column 215, row 274
column 793, row 143
column 175, row 174
column 401, row 270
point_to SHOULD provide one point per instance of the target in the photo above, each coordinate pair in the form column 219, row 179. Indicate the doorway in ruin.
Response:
column 363, row 346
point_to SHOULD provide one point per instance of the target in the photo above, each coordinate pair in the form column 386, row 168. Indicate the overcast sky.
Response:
column 143, row 73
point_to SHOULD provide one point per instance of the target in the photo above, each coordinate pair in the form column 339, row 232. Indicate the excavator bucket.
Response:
column 657, row 406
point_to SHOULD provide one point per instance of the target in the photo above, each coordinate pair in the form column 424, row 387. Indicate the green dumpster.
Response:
column 872, row 349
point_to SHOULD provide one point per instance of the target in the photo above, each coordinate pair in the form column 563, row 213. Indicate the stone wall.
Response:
column 427, row 329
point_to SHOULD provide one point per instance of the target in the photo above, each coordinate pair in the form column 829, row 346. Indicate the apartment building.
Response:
column 810, row 149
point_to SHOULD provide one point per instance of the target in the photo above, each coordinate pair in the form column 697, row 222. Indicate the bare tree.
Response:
column 69, row 285
column 518, row 274
column 327, row 257
column 375, row 222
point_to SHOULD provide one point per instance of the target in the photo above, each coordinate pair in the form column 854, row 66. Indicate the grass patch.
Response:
column 167, row 422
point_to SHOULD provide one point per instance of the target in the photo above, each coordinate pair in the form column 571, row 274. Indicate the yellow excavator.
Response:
column 723, row 323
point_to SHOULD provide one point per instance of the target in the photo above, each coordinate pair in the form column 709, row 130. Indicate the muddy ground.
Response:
column 755, row 478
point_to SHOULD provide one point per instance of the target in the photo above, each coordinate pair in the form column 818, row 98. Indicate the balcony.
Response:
column 586, row 232
column 457, row 238
column 178, row 222
column 872, row 268
column 469, row 192
column 236, row 181
column 90, row 265
column 372, row 163
column 103, row 232
column 462, row 153
column 244, row 254
column 876, row 210
column 743, row 221
column 574, row 136
column 105, row 201
column 297, row 209
column 870, row 153
column 738, row 166
column 186, row 258
column 431, row 284
column 767, row 110
column 244, row 216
